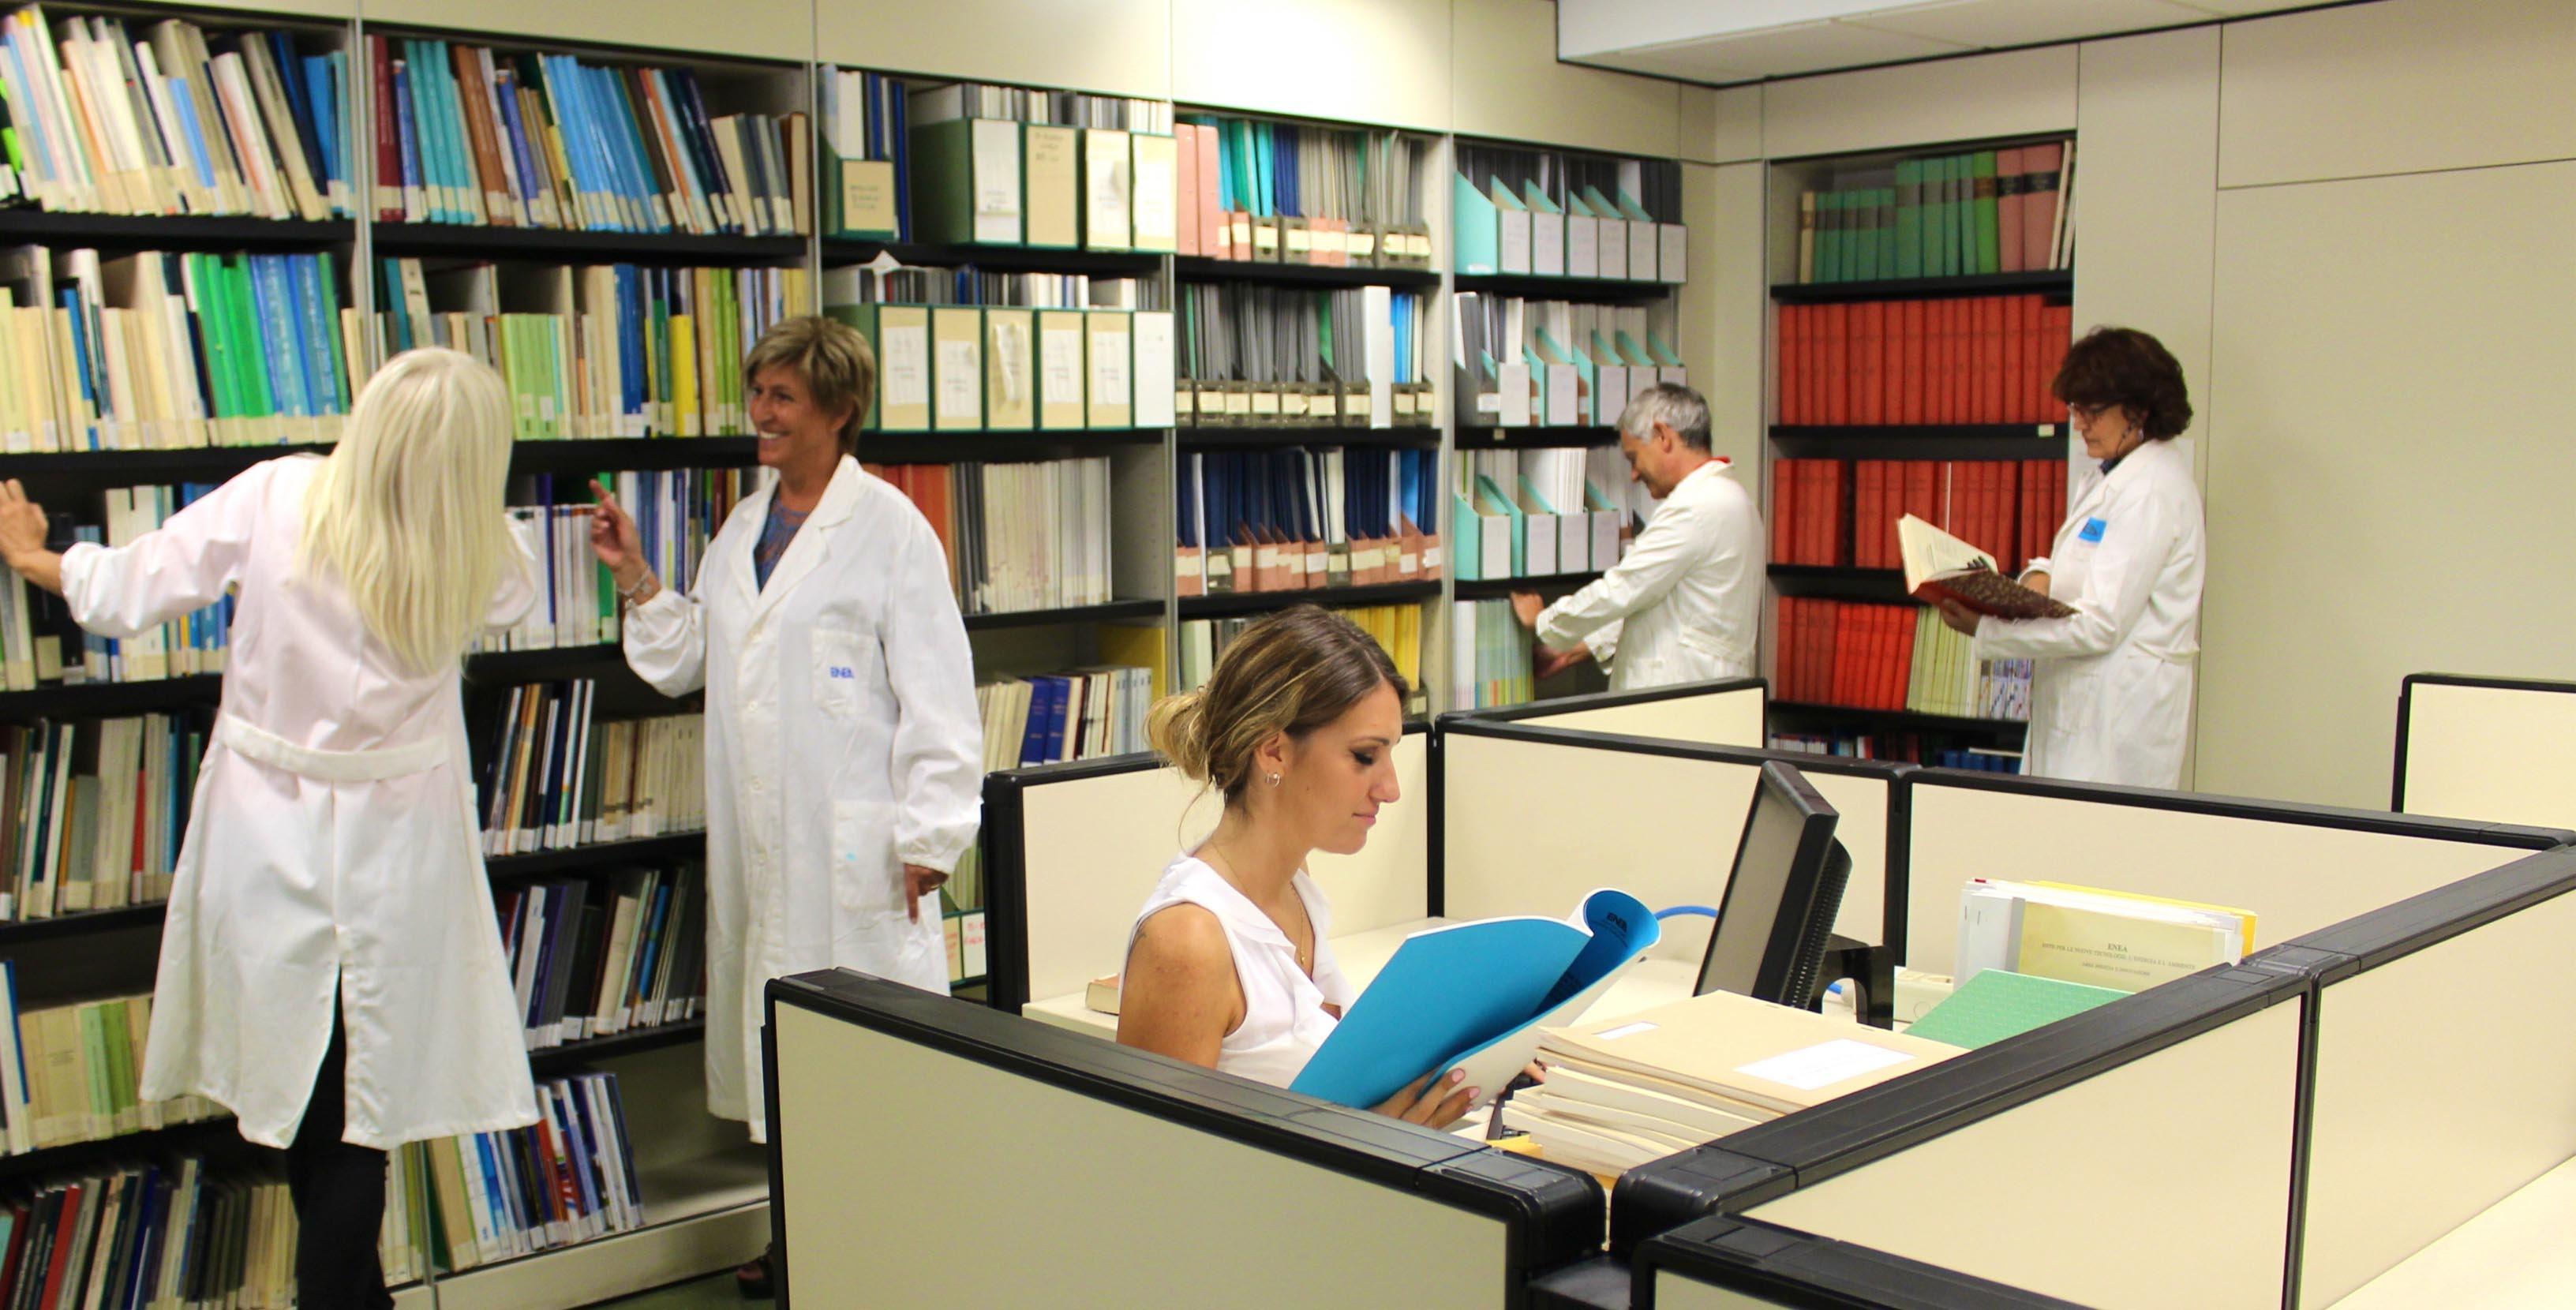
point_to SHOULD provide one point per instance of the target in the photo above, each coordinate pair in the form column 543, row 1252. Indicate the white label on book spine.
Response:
column 1109, row 368
column 961, row 382
column 1012, row 339
column 1824, row 1064
column 907, row 366
column 1062, row 348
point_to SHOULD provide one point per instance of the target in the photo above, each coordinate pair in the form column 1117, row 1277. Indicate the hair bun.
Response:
column 1177, row 727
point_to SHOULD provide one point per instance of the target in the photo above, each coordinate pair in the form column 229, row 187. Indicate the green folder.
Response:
column 1989, row 254
column 1997, row 1004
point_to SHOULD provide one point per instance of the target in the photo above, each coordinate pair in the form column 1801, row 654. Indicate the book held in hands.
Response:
column 1939, row 567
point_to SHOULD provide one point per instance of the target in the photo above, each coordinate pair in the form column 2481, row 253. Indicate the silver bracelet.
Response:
column 628, row 594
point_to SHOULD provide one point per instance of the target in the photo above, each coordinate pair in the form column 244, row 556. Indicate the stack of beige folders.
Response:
column 1643, row 1086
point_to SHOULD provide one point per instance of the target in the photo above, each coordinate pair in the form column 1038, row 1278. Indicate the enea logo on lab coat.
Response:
column 2092, row 531
column 843, row 672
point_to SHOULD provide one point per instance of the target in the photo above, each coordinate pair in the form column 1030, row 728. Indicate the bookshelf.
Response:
column 705, row 1194
column 1917, row 299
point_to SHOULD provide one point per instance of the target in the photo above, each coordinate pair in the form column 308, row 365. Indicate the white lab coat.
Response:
column 2111, row 689
column 1684, row 605
column 843, row 742
column 333, row 838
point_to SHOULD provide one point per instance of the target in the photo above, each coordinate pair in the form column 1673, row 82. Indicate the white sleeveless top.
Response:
column 1284, row 1019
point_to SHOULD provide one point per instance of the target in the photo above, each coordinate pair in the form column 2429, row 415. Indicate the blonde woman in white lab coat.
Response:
column 329, row 968
column 2111, row 686
column 844, row 749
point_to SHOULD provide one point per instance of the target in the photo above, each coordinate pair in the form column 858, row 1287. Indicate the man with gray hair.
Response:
column 1684, row 604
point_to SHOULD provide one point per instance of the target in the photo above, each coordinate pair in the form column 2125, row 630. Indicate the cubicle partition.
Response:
column 2298, row 867
column 1727, row 712
column 2486, row 748
column 1726, row 1263
column 930, row 1152
column 1072, row 850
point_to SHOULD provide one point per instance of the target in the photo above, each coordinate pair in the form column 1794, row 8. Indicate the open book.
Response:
column 1941, row 567
column 1473, row 996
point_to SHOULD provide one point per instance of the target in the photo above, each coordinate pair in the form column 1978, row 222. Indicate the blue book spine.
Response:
column 604, row 172
column 31, row 125
column 184, row 100
column 304, row 276
column 299, row 103
column 405, row 115
column 326, row 117
column 639, row 163
column 420, row 75
column 514, row 126
column 465, row 189
column 82, row 363
column 1033, row 741
column 278, row 334
column 430, row 79
column 633, row 314
column 579, row 148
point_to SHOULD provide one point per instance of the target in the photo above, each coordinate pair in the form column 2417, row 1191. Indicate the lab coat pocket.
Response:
column 839, row 683
column 867, row 881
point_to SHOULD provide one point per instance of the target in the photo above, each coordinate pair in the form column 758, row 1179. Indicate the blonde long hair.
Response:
column 408, row 511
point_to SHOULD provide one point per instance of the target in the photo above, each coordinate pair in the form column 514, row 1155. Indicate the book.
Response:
column 1941, row 567
column 1746, row 1057
column 1998, row 1003
column 1101, row 995
column 1473, row 996
column 2103, row 938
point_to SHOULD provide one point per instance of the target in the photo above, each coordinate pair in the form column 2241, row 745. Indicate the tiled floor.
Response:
column 711, row 1293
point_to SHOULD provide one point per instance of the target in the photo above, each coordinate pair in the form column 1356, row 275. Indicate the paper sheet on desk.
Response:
column 1474, row 996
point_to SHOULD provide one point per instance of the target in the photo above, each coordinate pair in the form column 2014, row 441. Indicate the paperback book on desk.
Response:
column 1473, row 996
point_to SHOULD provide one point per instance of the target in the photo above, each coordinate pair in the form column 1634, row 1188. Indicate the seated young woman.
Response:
column 1230, row 965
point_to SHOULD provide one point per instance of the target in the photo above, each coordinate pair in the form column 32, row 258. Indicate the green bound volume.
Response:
column 1989, row 235
column 1997, row 1003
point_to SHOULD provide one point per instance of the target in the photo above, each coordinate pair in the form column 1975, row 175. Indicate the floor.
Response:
column 711, row 1293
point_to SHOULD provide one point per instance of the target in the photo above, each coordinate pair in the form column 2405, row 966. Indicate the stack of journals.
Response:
column 1538, row 513
column 1009, row 368
column 552, row 778
column 468, row 134
column 1626, row 1091
column 1397, row 628
column 153, row 351
column 1306, row 519
column 1995, row 211
column 69, row 1073
column 1490, row 656
column 676, row 512
column 1002, row 165
column 184, row 1232
column 866, row 195
column 1051, row 718
column 2093, row 935
column 1018, row 537
column 1554, row 363
column 1525, row 211
column 91, row 813
column 1890, row 657
column 595, row 960
column 1302, row 194
column 1987, row 359
column 1257, row 355
column 245, row 122
column 611, row 350
column 459, row 1202
column 1844, row 513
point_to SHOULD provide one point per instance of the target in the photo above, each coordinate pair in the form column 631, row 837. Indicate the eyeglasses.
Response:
column 2087, row 414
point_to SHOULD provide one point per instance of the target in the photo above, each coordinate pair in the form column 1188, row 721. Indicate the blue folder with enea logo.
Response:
column 1474, row 996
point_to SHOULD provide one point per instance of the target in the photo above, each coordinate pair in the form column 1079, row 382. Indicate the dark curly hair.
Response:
column 2127, row 368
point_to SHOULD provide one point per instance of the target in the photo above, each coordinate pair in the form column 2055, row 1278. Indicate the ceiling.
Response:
column 1727, row 41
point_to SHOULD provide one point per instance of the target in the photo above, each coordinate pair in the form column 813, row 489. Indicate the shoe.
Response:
column 753, row 1280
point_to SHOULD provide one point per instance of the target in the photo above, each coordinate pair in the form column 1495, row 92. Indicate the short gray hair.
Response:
column 1678, row 408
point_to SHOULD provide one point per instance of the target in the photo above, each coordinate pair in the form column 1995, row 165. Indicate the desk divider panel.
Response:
column 1728, row 712
column 2487, row 748
column 2298, row 867
column 938, row 1153
column 1072, row 850
column 2437, row 1091
column 2086, row 1160
column 1534, row 817
column 1724, row 1263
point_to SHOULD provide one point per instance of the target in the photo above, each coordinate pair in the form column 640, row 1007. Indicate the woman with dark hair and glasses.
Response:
column 2111, row 684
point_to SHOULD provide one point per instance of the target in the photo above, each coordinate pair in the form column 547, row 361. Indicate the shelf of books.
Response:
column 1921, row 308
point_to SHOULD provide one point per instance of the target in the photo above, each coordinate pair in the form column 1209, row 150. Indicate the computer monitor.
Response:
column 1780, row 901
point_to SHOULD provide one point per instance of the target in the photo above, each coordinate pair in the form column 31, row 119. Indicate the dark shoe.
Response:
column 753, row 1280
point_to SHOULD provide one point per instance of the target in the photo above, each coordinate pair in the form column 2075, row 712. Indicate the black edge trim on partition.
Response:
column 1783, row 1266
column 2243, row 807
column 1472, row 724
column 1597, row 1283
column 1548, row 1208
column 1875, row 1122
column 1604, row 700
column 777, row 1160
column 1435, row 842
column 1900, row 870
column 2406, row 707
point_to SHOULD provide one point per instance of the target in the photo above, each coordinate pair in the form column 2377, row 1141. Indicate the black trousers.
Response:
column 339, row 1192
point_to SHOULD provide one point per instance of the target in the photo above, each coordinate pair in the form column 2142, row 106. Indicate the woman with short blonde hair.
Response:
column 329, row 967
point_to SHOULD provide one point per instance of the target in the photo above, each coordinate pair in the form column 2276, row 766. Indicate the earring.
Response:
column 1274, row 780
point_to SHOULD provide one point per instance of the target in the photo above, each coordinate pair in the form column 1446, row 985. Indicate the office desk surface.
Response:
column 2514, row 1255
column 1653, row 982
